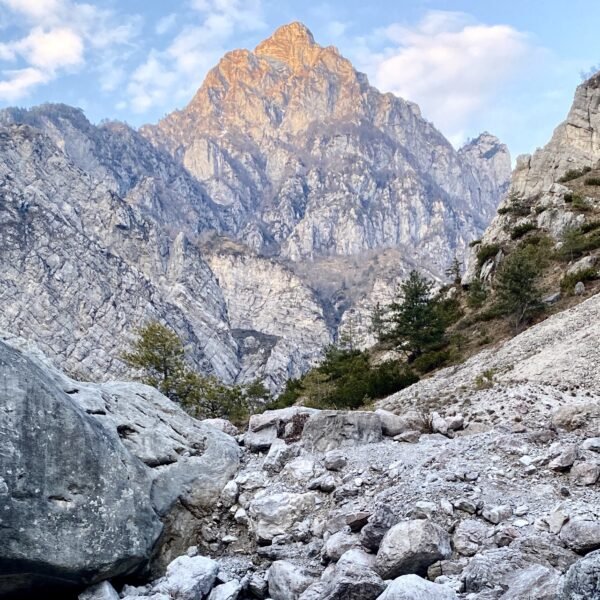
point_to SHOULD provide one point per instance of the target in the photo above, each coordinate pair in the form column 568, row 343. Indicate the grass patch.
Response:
column 485, row 380
column 592, row 181
column 574, row 174
column 431, row 360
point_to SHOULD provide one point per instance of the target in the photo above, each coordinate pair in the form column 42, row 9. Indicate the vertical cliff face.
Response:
column 545, row 184
column 328, row 190
column 575, row 144
column 81, row 268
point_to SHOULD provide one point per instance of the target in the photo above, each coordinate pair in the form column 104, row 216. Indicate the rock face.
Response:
column 575, row 144
column 241, row 221
column 75, row 503
column 113, row 475
column 537, row 198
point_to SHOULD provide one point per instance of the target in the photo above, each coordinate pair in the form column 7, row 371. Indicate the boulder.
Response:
column 335, row 460
column 188, row 578
column 100, row 591
column 411, row 547
column 582, row 580
column 490, row 568
column 378, row 525
column 413, row 587
column 497, row 514
column 357, row 556
column 227, row 591
column 581, row 535
column 279, row 454
column 222, row 425
column 536, row 581
column 347, row 582
column 265, row 428
column 338, row 544
column 75, row 504
column 393, row 424
column 469, row 536
column 585, row 473
column 287, row 581
column 564, row 461
column 577, row 415
column 329, row 430
column 276, row 514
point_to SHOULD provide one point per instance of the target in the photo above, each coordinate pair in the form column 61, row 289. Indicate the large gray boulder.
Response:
column 75, row 504
column 276, row 514
column 581, row 535
column 347, row 582
column 582, row 580
column 536, row 581
column 411, row 547
column 329, row 430
column 413, row 587
column 287, row 581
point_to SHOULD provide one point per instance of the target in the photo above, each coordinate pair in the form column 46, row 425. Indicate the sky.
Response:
column 507, row 67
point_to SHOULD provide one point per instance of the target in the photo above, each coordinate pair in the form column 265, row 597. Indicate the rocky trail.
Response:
column 306, row 504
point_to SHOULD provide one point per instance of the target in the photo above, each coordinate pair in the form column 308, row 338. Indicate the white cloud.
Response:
column 51, row 50
column 64, row 35
column 175, row 72
column 449, row 64
column 17, row 83
column 38, row 10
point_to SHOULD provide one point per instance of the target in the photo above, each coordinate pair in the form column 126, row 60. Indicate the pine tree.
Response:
column 378, row 322
column 416, row 324
column 158, row 353
column 517, row 291
column 454, row 271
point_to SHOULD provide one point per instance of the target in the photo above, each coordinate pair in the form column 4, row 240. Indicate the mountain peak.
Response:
column 292, row 44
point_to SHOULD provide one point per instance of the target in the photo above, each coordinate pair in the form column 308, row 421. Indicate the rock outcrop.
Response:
column 97, row 479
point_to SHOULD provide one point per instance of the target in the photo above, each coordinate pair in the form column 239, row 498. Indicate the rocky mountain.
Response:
column 286, row 197
column 310, row 160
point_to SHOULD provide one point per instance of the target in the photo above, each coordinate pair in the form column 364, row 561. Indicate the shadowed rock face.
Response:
column 74, row 503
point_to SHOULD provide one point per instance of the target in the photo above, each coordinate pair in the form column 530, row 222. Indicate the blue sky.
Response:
column 508, row 67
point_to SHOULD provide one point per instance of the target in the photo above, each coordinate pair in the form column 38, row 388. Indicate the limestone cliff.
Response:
column 328, row 190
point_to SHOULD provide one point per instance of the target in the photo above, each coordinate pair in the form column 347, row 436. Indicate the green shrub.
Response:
column 574, row 174
column 580, row 203
column 518, row 294
column 431, row 360
column 592, row 181
column 390, row 377
column 568, row 282
column 346, row 379
column 589, row 226
column 577, row 242
column 477, row 294
column 485, row 380
column 520, row 230
column 474, row 243
column 485, row 252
